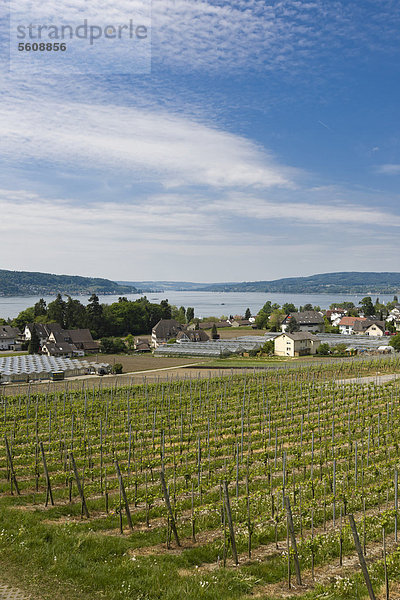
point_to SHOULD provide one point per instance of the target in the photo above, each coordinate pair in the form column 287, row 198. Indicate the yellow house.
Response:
column 296, row 344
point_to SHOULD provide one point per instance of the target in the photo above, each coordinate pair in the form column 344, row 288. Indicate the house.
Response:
column 241, row 323
column 299, row 343
column 8, row 337
column 197, row 335
column 142, row 346
column 56, row 341
column 58, row 346
column 165, row 330
column 82, row 339
column 43, row 331
column 335, row 315
column 368, row 327
column 394, row 316
column 308, row 320
column 346, row 324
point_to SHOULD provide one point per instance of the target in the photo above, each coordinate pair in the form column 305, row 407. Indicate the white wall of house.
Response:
column 346, row 329
column 374, row 331
column 285, row 346
column 7, row 343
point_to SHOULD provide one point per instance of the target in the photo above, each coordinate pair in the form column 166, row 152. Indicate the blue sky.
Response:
column 264, row 143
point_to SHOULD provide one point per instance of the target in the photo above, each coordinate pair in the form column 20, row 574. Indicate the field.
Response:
column 213, row 488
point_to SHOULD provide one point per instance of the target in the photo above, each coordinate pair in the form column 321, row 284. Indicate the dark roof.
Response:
column 167, row 328
column 59, row 347
column 363, row 325
column 307, row 317
column 7, row 332
column 82, row 338
column 196, row 335
column 44, row 329
column 79, row 335
column 301, row 335
column 142, row 346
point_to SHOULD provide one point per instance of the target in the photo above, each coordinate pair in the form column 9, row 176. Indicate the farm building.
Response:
column 196, row 335
column 8, row 337
column 308, row 320
column 165, row 330
column 296, row 344
column 374, row 328
column 34, row 366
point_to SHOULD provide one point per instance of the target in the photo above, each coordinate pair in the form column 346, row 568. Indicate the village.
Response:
column 44, row 351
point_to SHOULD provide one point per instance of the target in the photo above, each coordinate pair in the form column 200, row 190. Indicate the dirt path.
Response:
column 377, row 379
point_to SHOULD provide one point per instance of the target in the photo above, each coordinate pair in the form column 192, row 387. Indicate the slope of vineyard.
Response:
column 156, row 491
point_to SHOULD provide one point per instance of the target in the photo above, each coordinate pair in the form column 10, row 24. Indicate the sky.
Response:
column 244, row 140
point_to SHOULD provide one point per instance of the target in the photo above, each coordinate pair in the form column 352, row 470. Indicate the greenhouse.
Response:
column 36, row 367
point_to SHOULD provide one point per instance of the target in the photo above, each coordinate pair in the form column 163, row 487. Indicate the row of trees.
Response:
column 104, row 320
column 271, row 314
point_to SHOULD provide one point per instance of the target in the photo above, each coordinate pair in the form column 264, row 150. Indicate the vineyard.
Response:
column 241, row 486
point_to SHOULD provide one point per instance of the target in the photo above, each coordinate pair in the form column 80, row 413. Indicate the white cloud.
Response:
column 389, row 169
column 332, row 213
column 164, row 235
column 211, row 34
column 154, row 145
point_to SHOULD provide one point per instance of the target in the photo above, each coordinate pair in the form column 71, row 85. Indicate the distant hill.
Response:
column 326, row 283
column 25, row 283
column 163, row 286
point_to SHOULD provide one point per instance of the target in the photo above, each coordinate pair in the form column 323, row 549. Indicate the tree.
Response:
column 247, row 314
column 264, row 314
column 117, row 369
column 367, row 306
column 189, row 314
column 75, row 315
column 214, row 332
column 306, row 307
column 94, row 312
column 395, row 342
column 275, row 320
column 40, row 308
column 329, row 328
column 179, row 314
column 323, row 349
column 26, row 316
column 166, row 309
column 268, row 347
column 293, row 325
column 343, row 305
column 56, row 311
column 34, row 342
column 130, row 342
column 112, row 345
column 289, row 308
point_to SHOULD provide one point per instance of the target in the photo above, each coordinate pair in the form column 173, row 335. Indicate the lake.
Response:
column 205, row 304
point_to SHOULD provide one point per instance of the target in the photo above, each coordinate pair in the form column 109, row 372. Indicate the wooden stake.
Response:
column 78, row 484
column 168, row 503
column 49, row 493
column 124, row 496
column 361, row 558
column 293, row 538
column 230, row 523
column 12, row 472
